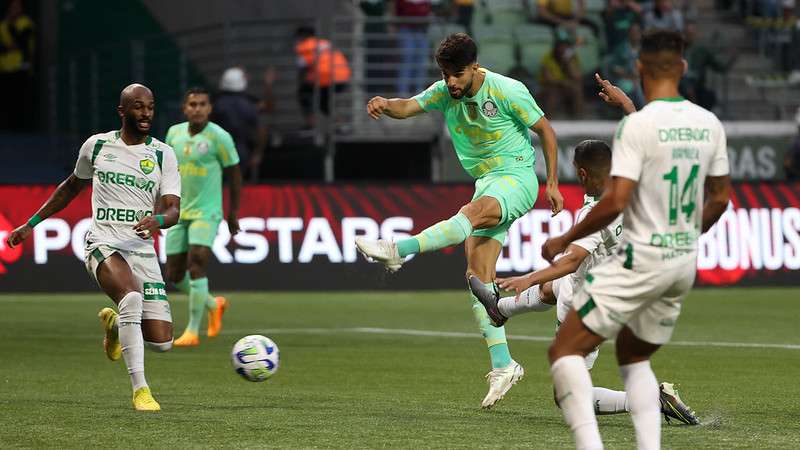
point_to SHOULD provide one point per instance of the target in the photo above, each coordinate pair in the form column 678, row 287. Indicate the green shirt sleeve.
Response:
column 226, row 149
column 435, row 97
column 170, row 136
column 520, row 104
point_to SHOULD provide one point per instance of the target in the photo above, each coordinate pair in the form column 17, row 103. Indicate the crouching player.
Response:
column 130, row 173
column 554, row 285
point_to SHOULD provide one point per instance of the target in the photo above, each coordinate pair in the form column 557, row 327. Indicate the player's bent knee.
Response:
column 159, row 347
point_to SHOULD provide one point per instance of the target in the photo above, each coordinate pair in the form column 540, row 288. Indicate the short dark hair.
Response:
column 594, row 156
column 195, row 90
column 657, row 40
column 456, row 52
column 661, row 53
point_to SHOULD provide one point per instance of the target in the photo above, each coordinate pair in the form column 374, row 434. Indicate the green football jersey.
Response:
column 490, row 129
column 201, row 159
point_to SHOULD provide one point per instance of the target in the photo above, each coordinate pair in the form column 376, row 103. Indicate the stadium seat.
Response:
column 595, row 6
column 588, row 51
column 534, row 41
column 495, row 47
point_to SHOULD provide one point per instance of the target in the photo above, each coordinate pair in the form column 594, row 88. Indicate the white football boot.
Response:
column 500, row 381
column 382, row 251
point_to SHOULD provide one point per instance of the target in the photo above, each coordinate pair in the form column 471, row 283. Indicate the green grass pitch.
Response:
column 371, row 370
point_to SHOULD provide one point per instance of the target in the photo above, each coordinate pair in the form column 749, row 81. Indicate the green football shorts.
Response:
column 191, row 232
column 516, row 189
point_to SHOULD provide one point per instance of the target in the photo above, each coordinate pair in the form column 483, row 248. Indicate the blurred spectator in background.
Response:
column 319, row 65
column 17, row 44
column 619, row 15
column 622, row 65
column 463, row 12
column 701, row 59
column 237, row 113
column 564, row 13
column 520, row 72
column 791, row 162
column 663, row 14
column 560, row 79
column 413, row 42
column 377, row 41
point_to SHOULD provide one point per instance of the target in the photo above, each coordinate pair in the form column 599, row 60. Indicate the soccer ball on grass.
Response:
column 255, row 357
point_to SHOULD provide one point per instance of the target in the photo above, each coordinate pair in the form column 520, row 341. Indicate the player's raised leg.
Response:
column 117, row 281
column 482, row 212
column 482, row 253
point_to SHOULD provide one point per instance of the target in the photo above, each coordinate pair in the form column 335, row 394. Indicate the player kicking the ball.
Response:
column 130, row 173
column 204, row 151
column 488, row 116
column 665, row 158
column 554, row 285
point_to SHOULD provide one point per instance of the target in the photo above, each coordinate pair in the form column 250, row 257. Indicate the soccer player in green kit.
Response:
column 488, row 116
column 204, row 151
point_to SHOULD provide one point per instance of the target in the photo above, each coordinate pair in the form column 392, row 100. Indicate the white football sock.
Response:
column 607, row 401
column 642, row 388
column 529, row 300
column 130, row 337
column 574, row 395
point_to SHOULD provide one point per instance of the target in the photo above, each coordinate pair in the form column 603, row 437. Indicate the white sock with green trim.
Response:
column 529, row 300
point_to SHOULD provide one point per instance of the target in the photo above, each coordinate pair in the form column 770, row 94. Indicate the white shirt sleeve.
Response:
column 170, row 178
column 719, row 162
column 84, row 168
column 628, row 152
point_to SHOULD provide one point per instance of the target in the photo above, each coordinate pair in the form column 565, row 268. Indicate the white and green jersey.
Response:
column 127, row 183
column 599, row 244
column 668, row 148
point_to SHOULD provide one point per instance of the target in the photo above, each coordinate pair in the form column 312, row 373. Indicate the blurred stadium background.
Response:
column 315, row 180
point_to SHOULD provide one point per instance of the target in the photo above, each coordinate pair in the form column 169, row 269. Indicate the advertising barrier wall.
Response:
column 301, row 237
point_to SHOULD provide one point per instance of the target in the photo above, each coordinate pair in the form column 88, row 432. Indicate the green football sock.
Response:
column 197, row 303
column 495, row 337
column 452, row 231
column 183, row 286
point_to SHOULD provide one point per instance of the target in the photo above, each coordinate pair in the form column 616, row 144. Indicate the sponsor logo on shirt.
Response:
column 472, row 110
column 121, row 214
column 109, row 157
column 126, row 179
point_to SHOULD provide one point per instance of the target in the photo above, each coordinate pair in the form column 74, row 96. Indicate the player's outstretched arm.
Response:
column 610, row 206
column 168, row 213
column 234, row 176
column 547, row 136
column 614, row 96
column 396, row 108
column 63, row 195
column 567, row 264
column 718, row 194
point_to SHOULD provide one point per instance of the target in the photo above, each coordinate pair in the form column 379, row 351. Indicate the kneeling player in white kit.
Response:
column 670, row 180
column 555, row 285
column 130, row 173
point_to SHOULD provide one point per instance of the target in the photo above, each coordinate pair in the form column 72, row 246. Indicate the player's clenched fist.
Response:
column 376, row 106
column 18, row 235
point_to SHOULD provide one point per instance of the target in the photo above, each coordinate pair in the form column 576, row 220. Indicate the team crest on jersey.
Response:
column 489, row 109
column 472, row 110
column 202, row 147
column 147, row 166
